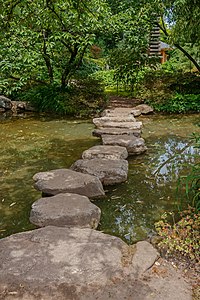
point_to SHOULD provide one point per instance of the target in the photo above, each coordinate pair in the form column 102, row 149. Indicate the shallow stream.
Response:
column 38, row 143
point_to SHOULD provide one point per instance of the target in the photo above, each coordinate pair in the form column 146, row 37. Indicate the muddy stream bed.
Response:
column 39, row 143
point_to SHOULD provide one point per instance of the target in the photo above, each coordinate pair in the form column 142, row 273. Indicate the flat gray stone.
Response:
column 116, row 131
column 133, row 144
column 108, row 152
column 121, row 111
column 127, row 125
column 144, row 109
column 65, row 210
column 101, row 122
column 68, row 181
column 56, row 263
column 108, row 171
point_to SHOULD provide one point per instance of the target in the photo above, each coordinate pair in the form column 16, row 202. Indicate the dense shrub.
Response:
column 182, row 238
column 82, row 97
column 171, row 91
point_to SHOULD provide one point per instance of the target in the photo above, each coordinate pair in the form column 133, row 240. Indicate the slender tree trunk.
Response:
column 46, row 57
column 69, row 67
column 164, row 30
column 188, row 56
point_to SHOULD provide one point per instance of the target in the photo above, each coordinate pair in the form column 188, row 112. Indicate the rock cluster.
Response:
column 7, row 105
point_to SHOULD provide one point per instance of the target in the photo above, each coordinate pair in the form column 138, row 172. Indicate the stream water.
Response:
column 38, row 143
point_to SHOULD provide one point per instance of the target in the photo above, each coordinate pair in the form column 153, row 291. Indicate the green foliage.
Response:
column 107, row 77
column 189, row 185
column 181, row 239
column 45, row 41
column 171, row 91
column 82, row 98
column 179, row 103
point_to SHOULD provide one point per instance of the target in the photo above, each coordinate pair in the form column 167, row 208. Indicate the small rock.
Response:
column 133, row 144
column 108, row 171
column 67, row 181
column 65, row 210
column 108, row 152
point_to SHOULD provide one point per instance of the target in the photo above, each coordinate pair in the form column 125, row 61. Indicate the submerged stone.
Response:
column 68, row 181
column 133, row 144
column 108, row 152
column 65, row 210
column 108, row 171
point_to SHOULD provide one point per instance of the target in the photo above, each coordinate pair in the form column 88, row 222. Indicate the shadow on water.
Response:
column 31, row 145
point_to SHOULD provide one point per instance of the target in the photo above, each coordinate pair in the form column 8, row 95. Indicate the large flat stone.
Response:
column 108, row 152
column 116, row 131
column 68, row 181
column 133, row 144
column 65, row 210
column 127, row 125
column 108, row 171
column 121, row 111
column 100, row 122
column 55, row 263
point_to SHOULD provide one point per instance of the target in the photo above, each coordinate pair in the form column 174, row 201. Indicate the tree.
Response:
column 45, row 41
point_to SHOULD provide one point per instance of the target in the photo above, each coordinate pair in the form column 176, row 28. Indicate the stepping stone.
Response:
column 100, row 122
column 116, row 131
column 144, row 109
column 121, row 111
column 65, row 210
column 108, row 152
column 67, row 181
column 133, row 144
column 108, row 171
column 127, row 125
column 54, row 263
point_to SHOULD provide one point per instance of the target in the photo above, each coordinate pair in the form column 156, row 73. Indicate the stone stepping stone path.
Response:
column 67, row 259
column 68, row 181
column 65, row 210
column 134, row 145
column 109, row 171
column 108, row 152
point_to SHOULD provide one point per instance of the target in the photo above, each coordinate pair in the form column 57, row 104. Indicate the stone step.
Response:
column 105, row 152
column 68, row 181
column 108, row 171
column 65, row 210
column 134, row 145
column 116, row 131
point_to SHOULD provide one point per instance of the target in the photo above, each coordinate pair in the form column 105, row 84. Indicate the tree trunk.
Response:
column 69, row 67
column 46, row 57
